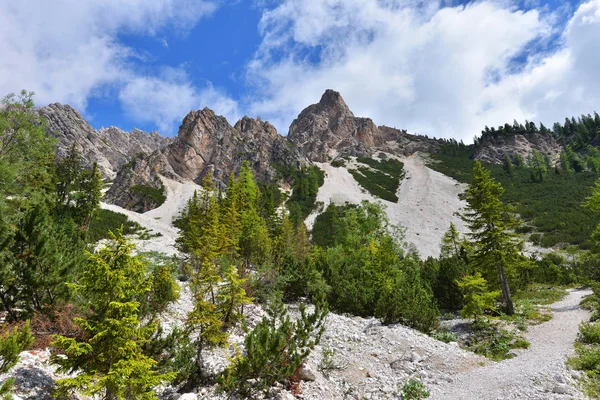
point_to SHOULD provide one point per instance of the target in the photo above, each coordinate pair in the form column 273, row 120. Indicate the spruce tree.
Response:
column 109, row 361
column 205, row 324
column 496, row 246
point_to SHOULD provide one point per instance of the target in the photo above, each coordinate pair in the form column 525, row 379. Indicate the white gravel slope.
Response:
column 537, row 373
column 160, row 220
column 428, row 201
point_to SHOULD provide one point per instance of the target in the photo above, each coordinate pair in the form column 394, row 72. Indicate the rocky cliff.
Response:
column 329, row 129
column 110, row 147
column 493, row 148
column 205, row 143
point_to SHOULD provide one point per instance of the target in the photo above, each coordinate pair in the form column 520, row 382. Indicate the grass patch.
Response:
column 106, row 221
column 493, row 342
column 444, row 335
column 540, row 294
column 380, row 178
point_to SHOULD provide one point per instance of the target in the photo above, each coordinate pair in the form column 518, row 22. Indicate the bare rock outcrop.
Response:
column 110, row 148
column 329, row 129
column 493, row 148
column 208, row 143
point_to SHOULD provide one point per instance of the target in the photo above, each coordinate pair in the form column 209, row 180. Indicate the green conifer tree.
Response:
column 496, row 246
column 12, row 343
column 109, row 361
column 232, row 297
column 205, row 324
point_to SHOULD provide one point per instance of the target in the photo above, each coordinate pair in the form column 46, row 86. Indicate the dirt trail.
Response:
column 536, row 373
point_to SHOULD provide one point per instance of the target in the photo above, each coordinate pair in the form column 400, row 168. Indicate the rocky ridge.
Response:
column 206, row 143
column 494, row 148
column 110, row 148
column 328, row 129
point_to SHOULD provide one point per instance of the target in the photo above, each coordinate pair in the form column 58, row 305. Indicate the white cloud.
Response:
column 166, row 100
column 444, row 71
column 68, row 51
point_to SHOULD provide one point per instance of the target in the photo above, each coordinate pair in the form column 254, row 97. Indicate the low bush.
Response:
column 589, row 332
column 444, row 335
column 414, row 390
column 490, row 341
column 105, row 221
column 274, row 350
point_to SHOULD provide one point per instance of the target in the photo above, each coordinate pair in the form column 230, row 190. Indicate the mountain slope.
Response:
column 110, row 147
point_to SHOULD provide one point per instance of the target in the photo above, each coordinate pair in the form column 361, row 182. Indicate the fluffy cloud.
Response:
column 68, row 51
column 444, row 71
column 166, row 99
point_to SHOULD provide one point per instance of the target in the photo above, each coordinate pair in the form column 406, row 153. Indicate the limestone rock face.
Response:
column 208, row 143
column 110, row 148
column 492, row 149
column 328, row 128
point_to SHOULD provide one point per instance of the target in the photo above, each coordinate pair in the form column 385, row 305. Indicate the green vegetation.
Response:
column 587, row 350
column 105, row 221
column 443, row 335
column 152, row 197
column 307, row 182
column 551, row 207
column 12, row 343
column 380, row 178
column 274, row 350
column 110, row 361
column 414, row 390
column 493, row 342
column 367, row 269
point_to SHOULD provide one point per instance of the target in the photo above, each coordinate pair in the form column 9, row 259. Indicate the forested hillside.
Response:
column 102, row 309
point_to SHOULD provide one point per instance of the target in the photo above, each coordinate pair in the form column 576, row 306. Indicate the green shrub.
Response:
column 105, row 221
column 153, row 197
column 414, row 390
column 490, row 341
column 274, row 350
column 338, row 163
column 589, row 332
column 443, row 335
column 12, row 343
column 164, row 288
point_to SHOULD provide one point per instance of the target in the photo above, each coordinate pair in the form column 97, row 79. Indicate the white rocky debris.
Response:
column 427, row 202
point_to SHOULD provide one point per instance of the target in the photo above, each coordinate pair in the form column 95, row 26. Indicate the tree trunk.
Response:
column 507, row 303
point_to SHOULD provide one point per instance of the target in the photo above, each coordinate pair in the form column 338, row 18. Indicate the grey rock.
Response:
column 306, row 373
column 207, row 143
column 560, row 389
column 110, row 148
column 493, row 149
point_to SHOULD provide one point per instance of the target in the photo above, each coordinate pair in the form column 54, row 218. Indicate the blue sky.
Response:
column 442, row 68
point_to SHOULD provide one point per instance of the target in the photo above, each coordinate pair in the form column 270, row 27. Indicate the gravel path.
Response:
column 537, row 373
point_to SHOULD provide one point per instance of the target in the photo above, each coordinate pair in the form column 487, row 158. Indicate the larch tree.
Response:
column 496, row 248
